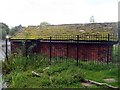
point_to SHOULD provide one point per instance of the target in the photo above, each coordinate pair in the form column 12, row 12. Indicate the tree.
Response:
column 43, row 24
column 92, row 20
column 15, row 29
column 4, row 30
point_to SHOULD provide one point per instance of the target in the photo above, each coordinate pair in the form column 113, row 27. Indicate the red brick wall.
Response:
column 15, row 47
column 85, row 51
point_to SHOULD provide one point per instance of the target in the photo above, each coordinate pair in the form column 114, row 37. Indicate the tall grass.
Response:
column 58, row 75
column 116, row 54
column 17, row 71
column 21, row 63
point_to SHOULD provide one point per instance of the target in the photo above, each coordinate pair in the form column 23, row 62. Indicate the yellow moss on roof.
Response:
column 38, row 32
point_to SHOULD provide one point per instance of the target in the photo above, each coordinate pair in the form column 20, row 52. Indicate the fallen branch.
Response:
column 35, row 74
column 101, row 84
column 46, row 68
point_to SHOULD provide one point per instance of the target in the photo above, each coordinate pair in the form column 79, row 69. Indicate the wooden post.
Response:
column 50, row 50
column 108, row 49
column 26, row 48
column 77, row 48
column 108, row 37
column 67, row 52
column 6, row 50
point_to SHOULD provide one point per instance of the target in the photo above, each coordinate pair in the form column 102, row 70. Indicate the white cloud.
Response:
column 32, row 12
column 107, row 12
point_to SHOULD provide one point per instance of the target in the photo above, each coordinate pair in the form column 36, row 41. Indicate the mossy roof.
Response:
column 66, row 31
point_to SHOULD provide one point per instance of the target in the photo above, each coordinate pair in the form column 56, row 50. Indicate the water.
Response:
column 2, row 54
column 2, row 49
column 2, row 57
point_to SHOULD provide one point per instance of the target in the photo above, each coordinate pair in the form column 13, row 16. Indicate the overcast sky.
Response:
column 33, row 12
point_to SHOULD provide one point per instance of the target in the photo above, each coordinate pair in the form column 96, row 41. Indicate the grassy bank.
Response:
column 17, row 73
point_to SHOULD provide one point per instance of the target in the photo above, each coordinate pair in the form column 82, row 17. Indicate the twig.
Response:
column 101, row 84
column 35, row 74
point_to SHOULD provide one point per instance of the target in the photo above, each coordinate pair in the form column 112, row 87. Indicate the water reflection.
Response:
column 2, row 57
column 2, row 49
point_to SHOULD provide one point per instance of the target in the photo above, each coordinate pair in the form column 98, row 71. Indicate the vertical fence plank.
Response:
column 108, row 54
column 26, row 48
column 77, row 47
column 108, row 48
column 108, row 37
column 67, row 50
column 6, row 50
column 50, row 50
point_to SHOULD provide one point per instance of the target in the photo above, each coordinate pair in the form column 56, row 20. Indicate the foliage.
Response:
column 92, row 19
column 44, row 24
column 4, row 30
column 65, row 32
column 17, row 71
column 7, row 65
column 15, row 29
column 116, row 53
column 65, row 75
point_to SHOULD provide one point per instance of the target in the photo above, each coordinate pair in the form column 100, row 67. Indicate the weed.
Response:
column 18, row 72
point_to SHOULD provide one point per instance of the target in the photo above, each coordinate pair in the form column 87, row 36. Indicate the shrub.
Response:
column 7, row 65
column 45, row 82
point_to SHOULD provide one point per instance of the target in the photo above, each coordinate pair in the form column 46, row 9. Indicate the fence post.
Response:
column 108, row 48
column 26, row 48
column 50, row 50
column 6, row 50
column 77, row 48
column 67, row 50
column 108, row 54
column 108, row 36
